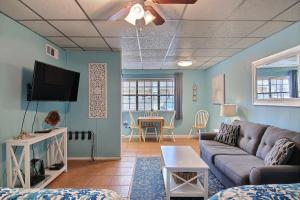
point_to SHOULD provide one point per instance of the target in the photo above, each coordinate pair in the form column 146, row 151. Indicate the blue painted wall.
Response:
column 238, row 84
column 19, row 48
column 190, row 108
column 107, row 130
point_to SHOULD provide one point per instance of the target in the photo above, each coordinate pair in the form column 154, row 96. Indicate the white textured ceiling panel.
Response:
column 207, row 52
column 292, row 14
column 204, row 28
column 126, row 44
column 237, row 28
column 209, row 64
column 17, row 10
column 219, row 43
column 76, row 28
column 131, row 65
column 181, row 52
column 62, row 41
column 90, row 42
column 159, row 53
column 246, row 42
column 130, row 53
column 42, row 28
column 115, row 28
column 218, row 59
column 166, row 29
column 73, row 49
column 155, row 42
column 56, row 9
column 170, row 11
column 101, row 9
column 182, row 43
column 135, row 58
column 261, row 9
column 211, row 9
column 270, row 28
column 228, row 52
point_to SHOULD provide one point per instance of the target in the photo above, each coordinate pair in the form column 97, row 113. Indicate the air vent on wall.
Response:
column 51, row 51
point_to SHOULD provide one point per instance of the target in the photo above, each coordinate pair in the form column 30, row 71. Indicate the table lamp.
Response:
column 228, row 111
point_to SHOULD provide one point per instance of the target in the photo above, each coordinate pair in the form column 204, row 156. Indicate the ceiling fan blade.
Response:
column 175, row 1
column 158, row 19
column 120, row 14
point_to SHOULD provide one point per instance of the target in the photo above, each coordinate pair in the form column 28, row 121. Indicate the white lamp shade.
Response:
column 228, row 110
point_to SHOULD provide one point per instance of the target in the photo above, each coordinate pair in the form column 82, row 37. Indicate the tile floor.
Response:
column 117, row 174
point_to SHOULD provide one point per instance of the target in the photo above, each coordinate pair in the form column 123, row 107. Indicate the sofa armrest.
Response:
column 275, row 174
column 208, row 135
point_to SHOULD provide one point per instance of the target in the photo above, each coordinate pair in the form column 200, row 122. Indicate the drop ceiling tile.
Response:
column 218, row 58
column 62, row 41
column 115, row 28
column 17, row 10
column 96, row 42
column 228, row 52
column 96, row 49
column 209, row 64
column 182, row 43
column 41, row 27
column 195, row 59
column 73, row 49
column 270, row 28
column 159, row 53
column 246, row 42
column 56, row 9
column 130, row 53
column 155, row 42
column 166, row 29
column 219, row 43
column 170, row 11
column 132, row 65
column 211, row 9
column 76, row 28
column 207, row 52
column 206, row 28
column 152, row 65
column 238, row 28
column 292, row 14
column 261, row 10
column 181, row 52
column 102, row 9
column 135, row 58
column 126, row 44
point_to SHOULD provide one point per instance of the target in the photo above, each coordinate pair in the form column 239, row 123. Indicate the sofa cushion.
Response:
column 272, row 135
column 280, row 152
column 250, row 135
column 238, row 167
column 210, row 148
column 228, row 134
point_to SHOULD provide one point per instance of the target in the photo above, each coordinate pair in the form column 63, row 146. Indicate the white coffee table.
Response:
column 183, row 159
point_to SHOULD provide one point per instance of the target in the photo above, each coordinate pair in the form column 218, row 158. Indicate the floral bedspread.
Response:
column 256, row 192
column 58, row 194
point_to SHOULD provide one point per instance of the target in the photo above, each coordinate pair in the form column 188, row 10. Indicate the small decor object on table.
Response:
column 52, row 118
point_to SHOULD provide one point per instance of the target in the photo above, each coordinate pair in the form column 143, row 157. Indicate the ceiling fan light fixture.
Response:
column 184, row 63
column 136, row 12
column 148, row 17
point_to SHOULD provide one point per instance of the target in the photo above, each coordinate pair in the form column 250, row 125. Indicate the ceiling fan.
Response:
column 143, row 10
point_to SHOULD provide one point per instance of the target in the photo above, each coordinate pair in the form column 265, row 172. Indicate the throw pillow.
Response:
column 280, row 153
column 228, row 134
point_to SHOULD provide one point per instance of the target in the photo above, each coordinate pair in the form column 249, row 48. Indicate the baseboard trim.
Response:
column 96, row 158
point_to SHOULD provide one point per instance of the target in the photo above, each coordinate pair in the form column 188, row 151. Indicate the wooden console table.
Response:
column 57, row 151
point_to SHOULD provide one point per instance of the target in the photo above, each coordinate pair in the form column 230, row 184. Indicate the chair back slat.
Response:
column 172, row 119
column 201, row 118
column 132, row 120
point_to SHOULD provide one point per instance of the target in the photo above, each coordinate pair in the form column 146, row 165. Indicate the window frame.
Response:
column 158, row 95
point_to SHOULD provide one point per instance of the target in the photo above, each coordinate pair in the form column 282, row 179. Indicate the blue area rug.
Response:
column 148, row 181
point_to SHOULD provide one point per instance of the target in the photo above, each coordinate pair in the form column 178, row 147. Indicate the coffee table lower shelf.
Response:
column 187, row 190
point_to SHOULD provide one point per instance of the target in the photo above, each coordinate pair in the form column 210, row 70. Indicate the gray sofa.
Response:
column 244, row 163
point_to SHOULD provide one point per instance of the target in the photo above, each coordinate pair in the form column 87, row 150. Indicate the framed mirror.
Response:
column 276, row 79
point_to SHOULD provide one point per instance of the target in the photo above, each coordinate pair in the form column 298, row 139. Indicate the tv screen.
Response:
column 51, row 83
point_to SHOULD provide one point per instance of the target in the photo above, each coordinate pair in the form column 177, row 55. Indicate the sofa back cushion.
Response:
column 273, row 134
column 250, row 135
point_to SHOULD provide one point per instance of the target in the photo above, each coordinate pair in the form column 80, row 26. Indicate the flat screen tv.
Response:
column 51, row 83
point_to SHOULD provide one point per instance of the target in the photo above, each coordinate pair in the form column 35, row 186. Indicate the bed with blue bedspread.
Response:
column 256, row 192
column 58, row 194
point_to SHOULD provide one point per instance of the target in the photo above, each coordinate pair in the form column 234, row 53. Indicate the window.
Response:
column 273, row 87
column 146, row 94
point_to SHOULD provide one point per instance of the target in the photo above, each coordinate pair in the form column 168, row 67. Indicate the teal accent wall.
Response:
column 107, row 130
column 238, row 83
column 190, row 108
column 19, row 48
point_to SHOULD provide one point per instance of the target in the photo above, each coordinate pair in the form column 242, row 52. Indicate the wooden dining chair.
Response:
column 201, row 119
column 134, row 127
column 150, row 124
column 170, row 127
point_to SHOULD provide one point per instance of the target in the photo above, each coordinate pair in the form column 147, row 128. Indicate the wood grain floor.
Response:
column 117, row 174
